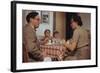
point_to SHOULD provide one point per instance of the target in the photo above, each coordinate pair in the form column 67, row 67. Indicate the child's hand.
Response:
column 46, row 39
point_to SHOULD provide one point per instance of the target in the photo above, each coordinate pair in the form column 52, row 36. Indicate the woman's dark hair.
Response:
column 46, row 31
column 77, row 19
column 31, row 15
column 55, row 32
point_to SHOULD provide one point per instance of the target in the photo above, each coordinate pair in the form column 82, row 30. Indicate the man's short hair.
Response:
column 31, row 15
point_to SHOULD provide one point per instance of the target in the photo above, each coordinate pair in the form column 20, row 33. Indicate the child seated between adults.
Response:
column 57, row 38
column 47, row 37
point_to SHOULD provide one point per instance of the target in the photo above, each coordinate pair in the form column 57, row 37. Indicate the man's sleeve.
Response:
column 33, row 49
column 29, row 39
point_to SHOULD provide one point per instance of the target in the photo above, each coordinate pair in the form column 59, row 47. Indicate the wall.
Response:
column 43, row 27
column 86, row 19
column 60, row 23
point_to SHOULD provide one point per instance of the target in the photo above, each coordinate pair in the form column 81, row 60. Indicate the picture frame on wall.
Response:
column 45, row 17
column 35, row 47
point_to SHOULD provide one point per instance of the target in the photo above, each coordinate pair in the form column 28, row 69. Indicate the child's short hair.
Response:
column 55, row 32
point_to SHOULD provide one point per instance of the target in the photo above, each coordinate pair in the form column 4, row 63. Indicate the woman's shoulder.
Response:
column 81, row 29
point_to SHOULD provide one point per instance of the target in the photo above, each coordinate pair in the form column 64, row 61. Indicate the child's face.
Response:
column 57, row 35
column 47, row 34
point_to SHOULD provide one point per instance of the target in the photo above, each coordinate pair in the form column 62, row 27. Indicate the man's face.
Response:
column 35, row 21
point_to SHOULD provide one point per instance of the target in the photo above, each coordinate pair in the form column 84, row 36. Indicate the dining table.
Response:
column 53, row 51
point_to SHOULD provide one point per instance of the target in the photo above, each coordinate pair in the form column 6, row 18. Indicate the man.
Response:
column 30, row 38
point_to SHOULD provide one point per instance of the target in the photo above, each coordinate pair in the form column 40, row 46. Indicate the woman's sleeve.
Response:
column 75, row 37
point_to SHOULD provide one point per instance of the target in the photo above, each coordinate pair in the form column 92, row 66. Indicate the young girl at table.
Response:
column 57, row 38
column 47, row 37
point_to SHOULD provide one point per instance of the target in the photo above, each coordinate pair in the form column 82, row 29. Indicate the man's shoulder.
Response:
column 27, row 27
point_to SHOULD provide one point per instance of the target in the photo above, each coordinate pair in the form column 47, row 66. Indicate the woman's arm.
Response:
column 74, row 41
column 71, row 46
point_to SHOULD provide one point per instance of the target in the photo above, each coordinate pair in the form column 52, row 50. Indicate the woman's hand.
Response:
column 65, row 44
column 70, row 46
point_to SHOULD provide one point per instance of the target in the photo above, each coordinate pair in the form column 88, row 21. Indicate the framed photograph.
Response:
column 68, row 40
column 45, row 17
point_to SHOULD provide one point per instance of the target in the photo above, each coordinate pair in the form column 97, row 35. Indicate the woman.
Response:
column 47, row 37
column 79, row 44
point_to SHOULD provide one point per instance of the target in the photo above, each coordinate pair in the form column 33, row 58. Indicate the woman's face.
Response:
column 73, row 24
column 47, row 33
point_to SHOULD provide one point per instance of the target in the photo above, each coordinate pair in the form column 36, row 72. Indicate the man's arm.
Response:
column 31, row 44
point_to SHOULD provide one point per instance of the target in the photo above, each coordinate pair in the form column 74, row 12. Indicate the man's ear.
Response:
column 31, row 19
